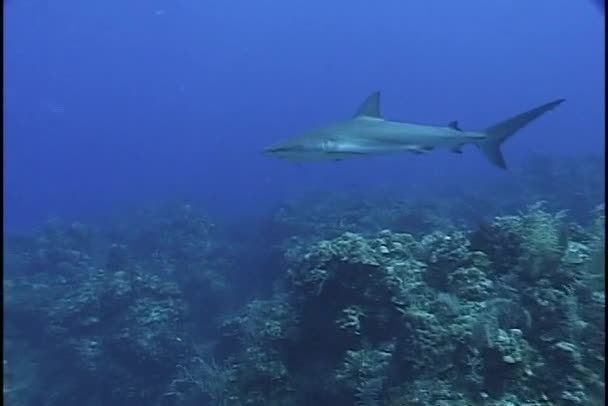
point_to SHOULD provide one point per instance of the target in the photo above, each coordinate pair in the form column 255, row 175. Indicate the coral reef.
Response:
column 377, row 305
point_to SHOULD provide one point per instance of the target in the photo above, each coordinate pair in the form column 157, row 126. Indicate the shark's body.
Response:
column 367, row 133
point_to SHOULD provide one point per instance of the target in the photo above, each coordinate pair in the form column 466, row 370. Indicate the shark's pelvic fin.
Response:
column 457, row 149
column 499, row 133
column 454, row 125
column 370, row 106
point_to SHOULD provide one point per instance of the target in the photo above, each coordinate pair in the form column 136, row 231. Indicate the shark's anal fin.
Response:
column 457, row 148
column 370, row 106
column 454, row 126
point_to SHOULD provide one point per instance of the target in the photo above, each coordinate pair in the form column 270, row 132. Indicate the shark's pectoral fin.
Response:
column 454, row 126
column 419, row 149
column 370, row 106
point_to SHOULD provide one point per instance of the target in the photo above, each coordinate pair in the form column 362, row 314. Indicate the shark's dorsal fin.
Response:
column 454, row 125
column 370, row 106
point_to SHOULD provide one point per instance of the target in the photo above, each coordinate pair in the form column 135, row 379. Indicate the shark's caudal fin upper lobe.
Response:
column 497, row 134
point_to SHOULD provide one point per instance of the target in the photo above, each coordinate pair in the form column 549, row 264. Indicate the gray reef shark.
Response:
column 368, row 134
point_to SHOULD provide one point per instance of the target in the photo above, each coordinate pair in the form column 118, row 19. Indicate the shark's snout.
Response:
column 292, row 152
column 276, row 151
column 273, row 150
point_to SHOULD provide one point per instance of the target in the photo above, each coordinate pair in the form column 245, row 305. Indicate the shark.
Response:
column 368, row 133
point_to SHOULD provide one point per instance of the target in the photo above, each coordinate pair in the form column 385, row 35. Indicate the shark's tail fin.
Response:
column 497, row 134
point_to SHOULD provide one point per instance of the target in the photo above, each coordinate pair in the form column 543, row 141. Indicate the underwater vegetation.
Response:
column 364, row 301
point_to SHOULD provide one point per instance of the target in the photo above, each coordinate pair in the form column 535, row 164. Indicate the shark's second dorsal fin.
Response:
column 370, row 106
column 454, row 125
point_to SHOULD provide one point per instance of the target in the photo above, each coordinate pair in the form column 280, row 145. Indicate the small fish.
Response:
column 368, row 134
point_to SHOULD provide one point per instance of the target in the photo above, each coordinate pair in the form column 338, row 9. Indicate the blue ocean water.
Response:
column 110, row 105
column 155, row 256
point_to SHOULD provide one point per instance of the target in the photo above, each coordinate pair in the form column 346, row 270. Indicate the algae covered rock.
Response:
column 530, row 245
